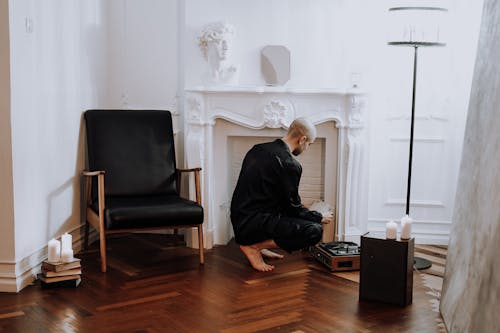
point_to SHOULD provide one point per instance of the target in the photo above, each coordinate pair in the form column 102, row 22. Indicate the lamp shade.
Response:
column 417, row 25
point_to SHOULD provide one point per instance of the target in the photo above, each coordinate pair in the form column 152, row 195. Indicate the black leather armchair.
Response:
column 133, row 183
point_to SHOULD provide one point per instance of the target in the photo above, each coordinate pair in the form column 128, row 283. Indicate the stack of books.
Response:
column 61, row 274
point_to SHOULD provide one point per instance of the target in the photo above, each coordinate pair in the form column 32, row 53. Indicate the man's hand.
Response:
column 327, row 218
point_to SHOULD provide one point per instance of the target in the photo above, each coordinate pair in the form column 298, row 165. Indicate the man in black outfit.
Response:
column 266, row 210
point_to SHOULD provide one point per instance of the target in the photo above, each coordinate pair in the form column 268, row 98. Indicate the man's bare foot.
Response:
column 255, row 257
column 270, row 254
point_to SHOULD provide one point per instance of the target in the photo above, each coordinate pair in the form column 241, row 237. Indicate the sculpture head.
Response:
column 215, row 41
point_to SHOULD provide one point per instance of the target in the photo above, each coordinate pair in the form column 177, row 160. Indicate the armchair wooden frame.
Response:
column 97, row 220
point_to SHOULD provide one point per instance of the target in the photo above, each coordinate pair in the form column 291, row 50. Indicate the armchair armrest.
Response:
column 196, row 181
column 189, row 170
column 100, row 188
column 92, row 173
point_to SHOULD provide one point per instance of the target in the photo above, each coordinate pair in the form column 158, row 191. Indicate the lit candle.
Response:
column 66, row 242
column 391, row 230
column 406, row 222
column 66, row 255
column 54, row 250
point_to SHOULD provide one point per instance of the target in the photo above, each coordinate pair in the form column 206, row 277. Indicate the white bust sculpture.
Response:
column 215, row 43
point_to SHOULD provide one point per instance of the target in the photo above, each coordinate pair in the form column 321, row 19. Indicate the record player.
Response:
column 337, row 256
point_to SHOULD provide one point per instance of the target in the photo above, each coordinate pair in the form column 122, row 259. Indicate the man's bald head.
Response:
column 302, row 127
column 301, row 134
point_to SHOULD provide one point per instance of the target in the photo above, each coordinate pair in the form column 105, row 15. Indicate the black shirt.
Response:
column 267, row 187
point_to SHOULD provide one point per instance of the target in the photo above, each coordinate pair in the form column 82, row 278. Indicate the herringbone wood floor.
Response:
column 152, row 287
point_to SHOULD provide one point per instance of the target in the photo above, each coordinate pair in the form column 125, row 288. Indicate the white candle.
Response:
column 54, row 250
column 406, row 222
column 391, row 230
column 66, row 255
column 66, row 242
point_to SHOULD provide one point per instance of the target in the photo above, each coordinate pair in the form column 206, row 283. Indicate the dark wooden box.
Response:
column 386, row 270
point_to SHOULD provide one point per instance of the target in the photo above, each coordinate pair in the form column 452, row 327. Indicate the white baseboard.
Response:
column 8, row 276
column 191, row 238
column 14, row 276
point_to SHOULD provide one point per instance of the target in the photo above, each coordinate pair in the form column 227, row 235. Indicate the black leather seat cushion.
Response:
column 135, row 212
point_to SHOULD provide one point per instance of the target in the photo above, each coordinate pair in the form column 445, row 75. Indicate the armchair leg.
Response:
column 102, row 229
column 200, row 243
column 102, row 243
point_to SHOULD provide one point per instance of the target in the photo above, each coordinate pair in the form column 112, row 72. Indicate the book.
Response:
column 62, row 284
column 46, row 279
column 73, row 271
column 60, row 266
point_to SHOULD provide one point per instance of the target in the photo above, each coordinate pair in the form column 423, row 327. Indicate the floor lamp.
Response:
column 416, row 39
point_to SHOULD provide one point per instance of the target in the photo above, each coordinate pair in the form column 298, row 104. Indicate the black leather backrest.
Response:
column 135, row 148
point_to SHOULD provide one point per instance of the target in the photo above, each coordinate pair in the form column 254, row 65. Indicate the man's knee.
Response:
column 313, row 233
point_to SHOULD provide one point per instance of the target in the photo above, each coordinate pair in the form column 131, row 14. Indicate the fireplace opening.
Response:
column 313, row 165
column 319, row 169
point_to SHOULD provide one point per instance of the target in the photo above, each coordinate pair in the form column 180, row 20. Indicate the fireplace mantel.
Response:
column 260, row 108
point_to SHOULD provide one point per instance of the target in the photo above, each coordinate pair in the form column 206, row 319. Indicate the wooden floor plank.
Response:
column 266, row 323
column 277, row 276
column 137, row 301
column 432, row 249
column 11, row 314
column 433, row 259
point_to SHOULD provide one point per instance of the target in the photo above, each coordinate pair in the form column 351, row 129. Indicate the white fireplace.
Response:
column 220, row 121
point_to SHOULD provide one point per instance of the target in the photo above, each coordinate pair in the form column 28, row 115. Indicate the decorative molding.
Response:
column 419, row 203
column 194, row 107
column 276, row 114
column 421, row 139
column 418, row 222
column 356, row 116
column 428, row 116
column 275, row 89
column 444, row 117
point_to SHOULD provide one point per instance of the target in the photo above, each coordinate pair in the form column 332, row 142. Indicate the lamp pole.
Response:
column 415, row 46
column 410, row 159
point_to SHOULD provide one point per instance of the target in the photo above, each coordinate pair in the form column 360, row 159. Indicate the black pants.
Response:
column 289, row 233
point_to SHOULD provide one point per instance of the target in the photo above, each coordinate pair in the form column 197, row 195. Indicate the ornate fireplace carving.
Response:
column 272, row 108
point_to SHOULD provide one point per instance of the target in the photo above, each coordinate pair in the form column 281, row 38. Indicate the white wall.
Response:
column 142, row 64
column 6, row 194
column 312, row 30
column 143, row 58
column 53, row 69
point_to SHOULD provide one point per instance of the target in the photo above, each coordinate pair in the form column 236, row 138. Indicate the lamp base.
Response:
column 421, row 263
